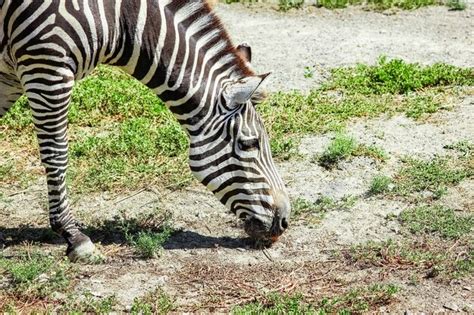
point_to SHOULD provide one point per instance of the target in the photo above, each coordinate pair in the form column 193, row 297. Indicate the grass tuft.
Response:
column 157, row 302
column 149, row 244
column 456, row 5
column 339, row 149
column 286, row 5
column 343, row 147
column 380, row 184
column 88, row 304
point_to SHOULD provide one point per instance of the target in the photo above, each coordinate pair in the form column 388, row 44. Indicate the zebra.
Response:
column 181, row 51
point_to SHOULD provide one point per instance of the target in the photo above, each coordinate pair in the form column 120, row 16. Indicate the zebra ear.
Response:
column 245, row 52
column 241, row 91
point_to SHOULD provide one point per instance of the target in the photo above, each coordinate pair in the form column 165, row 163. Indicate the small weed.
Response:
column 309, row 72
column 371, row 151
column 275, row 304
column 340, row 148
column 359, row 300
column 149, row 244
column 286, row 5
column 465, row 148
column 343, row 146
column 438, row 220
column 380, row 184
column 157, row 302
column 303, row 208
column 88, row 304
column 315, row 211
column 456, row 5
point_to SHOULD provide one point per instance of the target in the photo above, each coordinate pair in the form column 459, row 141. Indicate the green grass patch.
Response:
column 88, row 304
column 378, row 5
column 157, row 302
column 375, row 5
column 356, row 300
column 275, row 304
column 395, row 76
column 432, row 176
column 35, row 275
column 136, row 152
column 439, row 220
column 121, row 135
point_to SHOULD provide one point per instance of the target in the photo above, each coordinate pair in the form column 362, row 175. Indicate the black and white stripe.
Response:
column 179, row 50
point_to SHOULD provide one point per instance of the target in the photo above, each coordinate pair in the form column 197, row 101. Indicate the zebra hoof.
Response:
column 85, row 253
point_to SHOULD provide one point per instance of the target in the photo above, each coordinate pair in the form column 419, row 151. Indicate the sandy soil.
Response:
column 210, row 255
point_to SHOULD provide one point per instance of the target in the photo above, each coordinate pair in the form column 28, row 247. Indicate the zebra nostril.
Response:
column 284, row 223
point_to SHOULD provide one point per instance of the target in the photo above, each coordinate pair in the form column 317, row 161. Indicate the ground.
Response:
column 208, row 265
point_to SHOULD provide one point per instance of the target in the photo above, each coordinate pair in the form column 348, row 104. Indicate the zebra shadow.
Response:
column 108, row 234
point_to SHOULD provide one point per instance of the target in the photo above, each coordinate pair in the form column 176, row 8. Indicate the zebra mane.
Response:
column 217, row 24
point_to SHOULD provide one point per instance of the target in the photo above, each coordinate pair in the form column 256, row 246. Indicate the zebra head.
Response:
column 232, row 157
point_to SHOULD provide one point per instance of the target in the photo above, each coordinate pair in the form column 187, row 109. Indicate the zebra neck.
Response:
column 179, row 50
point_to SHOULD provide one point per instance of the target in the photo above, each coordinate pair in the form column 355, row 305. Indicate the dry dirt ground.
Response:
column 208, row 266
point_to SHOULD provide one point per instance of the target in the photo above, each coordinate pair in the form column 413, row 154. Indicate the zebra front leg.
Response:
column 10, row 91
column 49, row 104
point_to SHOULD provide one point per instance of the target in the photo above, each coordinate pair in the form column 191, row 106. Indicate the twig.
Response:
column 131, row 196
column 267, row 255
column 22, row 192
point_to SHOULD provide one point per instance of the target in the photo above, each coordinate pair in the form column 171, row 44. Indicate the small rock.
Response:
column 467, row 288
column 451, row 306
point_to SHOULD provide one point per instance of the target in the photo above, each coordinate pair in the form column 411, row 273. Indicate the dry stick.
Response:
column 23, row 191
column 267, row 255
column 131, row 196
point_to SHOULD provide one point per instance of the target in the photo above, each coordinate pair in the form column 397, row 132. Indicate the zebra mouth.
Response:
column 262, row 232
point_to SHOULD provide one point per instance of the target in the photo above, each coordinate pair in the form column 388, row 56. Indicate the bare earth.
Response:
column 209, row 262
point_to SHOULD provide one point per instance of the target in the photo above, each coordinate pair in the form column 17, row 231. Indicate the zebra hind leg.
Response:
column 50, row 109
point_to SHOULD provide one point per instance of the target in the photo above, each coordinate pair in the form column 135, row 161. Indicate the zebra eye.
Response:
column 248, row 144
